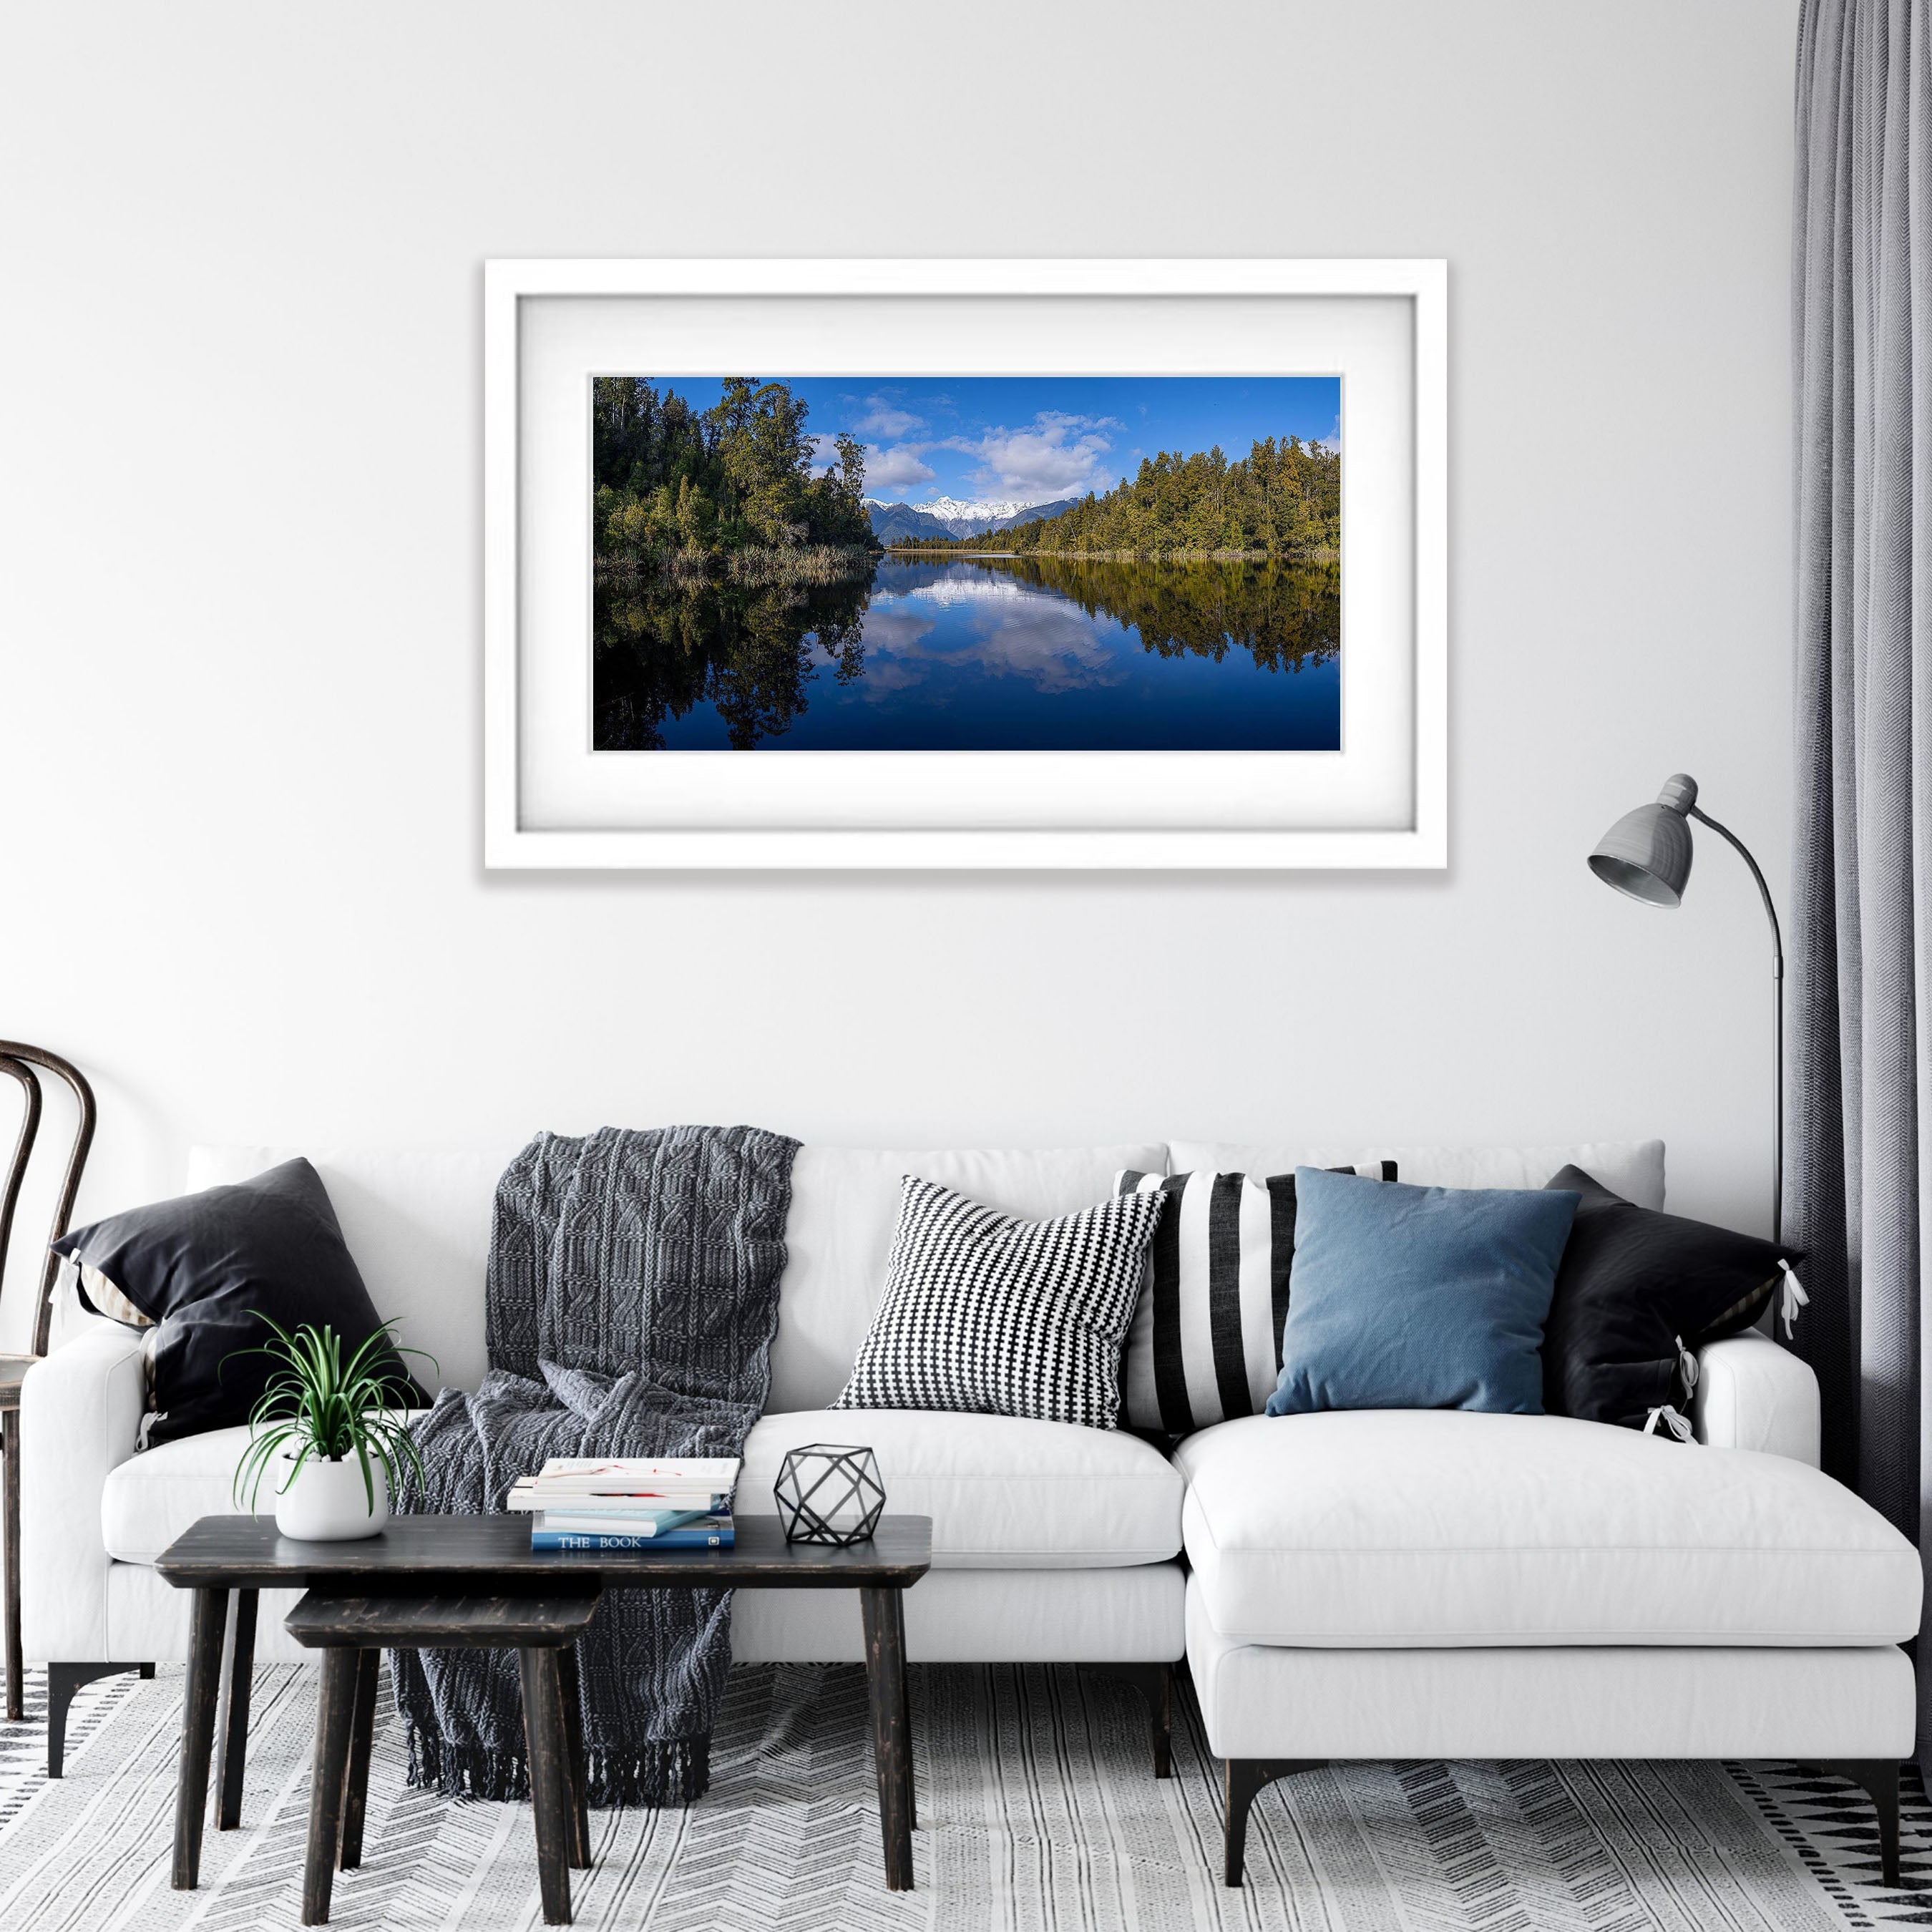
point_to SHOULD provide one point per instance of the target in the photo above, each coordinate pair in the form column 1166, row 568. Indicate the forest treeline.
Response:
column 727, row 491
column 1283, row 499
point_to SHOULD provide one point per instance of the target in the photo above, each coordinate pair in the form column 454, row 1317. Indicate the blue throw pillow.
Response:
column 1419, row 1298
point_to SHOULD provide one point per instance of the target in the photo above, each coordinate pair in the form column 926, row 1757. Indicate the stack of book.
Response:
column 625, row 1502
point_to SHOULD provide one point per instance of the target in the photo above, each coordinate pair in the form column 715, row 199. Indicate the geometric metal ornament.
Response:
column 830, row 1492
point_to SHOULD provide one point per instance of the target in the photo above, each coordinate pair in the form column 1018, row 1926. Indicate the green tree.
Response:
column 674, row 489
column 1283, row 499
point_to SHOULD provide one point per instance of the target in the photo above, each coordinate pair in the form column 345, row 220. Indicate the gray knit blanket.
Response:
column 633, row 1294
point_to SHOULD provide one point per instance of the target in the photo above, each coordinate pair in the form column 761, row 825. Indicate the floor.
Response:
column 1037, row 1813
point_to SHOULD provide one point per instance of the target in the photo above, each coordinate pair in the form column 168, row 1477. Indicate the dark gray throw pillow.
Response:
column 202, row 1266
column 1637, row 1292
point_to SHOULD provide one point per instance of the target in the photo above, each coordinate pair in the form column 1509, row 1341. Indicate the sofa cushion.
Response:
column 1632, row 1168
column 1392, row 1527
column 1637, row 1294
column 1004, row 1493
column 152, row 1498
column 845, row 1202
column 418, row 1225
column 1205, row 1342
column 1419, row 1298
column 988, row 1314
column 219, row 1271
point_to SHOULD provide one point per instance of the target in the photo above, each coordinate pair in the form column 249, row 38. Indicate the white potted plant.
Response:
column 327, row 1431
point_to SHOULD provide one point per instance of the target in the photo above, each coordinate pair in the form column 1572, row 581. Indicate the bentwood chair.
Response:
column 18, row 1060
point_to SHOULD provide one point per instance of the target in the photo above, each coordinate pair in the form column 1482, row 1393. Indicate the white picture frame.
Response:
column 1380, row 802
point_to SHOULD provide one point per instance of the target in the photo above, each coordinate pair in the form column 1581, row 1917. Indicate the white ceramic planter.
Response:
column 326, row 1502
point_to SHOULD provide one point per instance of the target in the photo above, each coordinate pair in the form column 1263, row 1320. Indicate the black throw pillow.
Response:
column 1633, row 1285
column 201, row 1266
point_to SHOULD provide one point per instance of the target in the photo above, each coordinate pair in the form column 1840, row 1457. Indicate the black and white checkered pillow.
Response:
column 987, row 1313
column 1205, row 1344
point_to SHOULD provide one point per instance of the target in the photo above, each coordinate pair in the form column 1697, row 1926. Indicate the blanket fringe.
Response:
column 675, row 1772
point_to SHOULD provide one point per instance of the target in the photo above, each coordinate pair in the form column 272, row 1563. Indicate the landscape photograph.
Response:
column 1054, row 564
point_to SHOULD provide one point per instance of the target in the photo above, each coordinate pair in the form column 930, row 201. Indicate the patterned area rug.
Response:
column 1037, row 1811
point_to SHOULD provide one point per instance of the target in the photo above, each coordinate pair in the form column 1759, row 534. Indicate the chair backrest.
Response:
column 18, row 1060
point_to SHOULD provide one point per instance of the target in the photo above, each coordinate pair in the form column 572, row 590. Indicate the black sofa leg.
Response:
column 1879, row 1778
column 63, row 1680
column 1243, row 1779
column 1155, row 1682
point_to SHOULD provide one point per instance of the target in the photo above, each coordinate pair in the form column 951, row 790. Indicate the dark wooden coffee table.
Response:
column 490, row 1555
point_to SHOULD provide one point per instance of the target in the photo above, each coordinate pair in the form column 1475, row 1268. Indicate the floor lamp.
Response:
column 1647, row 854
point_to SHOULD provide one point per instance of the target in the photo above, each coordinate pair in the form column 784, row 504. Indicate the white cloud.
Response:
column 1053, row 648
column 1059, row 455
column 885, row 469
column 895, row 469
column 885, row 418
column 1015, row 633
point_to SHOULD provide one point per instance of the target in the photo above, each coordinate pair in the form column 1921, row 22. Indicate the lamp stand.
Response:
column 1777, row 1020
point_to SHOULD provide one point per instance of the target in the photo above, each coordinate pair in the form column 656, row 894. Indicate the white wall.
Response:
column 240, row 558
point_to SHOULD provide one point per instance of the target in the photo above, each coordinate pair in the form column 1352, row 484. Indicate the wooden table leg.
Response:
column 238, row 1684
column 10, row 1442
column 905, row 1704
column 883, row 1610
column 572, row 1694
column 549, row 1781
column 335, row 1719
column 362, row 1740
column 206, row 1630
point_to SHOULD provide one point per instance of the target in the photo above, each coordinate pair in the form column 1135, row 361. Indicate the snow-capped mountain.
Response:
column 900, row 523
column 954, row 517
column 951, row 510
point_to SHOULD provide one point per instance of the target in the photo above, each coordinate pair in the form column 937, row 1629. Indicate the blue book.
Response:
column 722, row 1538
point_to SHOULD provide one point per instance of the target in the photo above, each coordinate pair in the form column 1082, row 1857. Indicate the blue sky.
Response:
column 1035, row 438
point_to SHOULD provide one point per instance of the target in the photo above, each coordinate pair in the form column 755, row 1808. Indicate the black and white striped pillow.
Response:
column 987, row 1313
column 1205, row 1342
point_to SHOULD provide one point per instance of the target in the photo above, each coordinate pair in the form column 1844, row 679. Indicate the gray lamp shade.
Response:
column 1647, row 853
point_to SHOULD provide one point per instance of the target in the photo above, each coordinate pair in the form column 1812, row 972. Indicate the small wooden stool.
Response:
column 350, row 1631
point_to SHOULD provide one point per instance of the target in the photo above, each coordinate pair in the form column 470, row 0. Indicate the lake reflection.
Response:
column 984, row 653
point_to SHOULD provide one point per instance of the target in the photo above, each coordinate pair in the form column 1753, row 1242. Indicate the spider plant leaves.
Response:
column 318, row 1407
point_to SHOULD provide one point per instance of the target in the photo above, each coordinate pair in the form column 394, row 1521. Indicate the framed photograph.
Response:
column 925, row 564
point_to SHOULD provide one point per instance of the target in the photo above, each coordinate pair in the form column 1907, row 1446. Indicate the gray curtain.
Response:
column 1856, row 1194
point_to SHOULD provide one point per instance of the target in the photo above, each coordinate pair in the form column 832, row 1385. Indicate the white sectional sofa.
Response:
column 1374, row 1585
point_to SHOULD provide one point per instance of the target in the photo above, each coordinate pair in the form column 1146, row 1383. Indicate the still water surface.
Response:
column 947, row 653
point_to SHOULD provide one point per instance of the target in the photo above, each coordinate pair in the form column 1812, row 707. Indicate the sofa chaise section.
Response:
column 1435, row 1529
column 1436, row 1584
